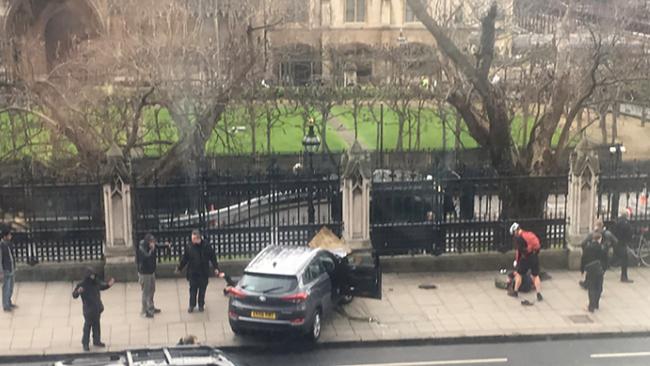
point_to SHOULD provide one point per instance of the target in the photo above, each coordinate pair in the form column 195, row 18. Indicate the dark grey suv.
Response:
column 295, row 288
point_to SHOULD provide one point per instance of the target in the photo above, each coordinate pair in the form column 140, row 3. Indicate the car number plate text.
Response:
column 263, row 315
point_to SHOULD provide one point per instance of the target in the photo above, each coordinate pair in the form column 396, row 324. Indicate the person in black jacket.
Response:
column 7, row 268
column 594, row 263
column 89, row 290
column 609, row 240
column 197, row 258
column 623, row 231
column 146, row 259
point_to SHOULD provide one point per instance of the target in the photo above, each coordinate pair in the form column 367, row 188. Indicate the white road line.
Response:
column 439, row 363
column 621, row 355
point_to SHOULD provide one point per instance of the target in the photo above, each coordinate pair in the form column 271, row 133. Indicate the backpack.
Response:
column 532, row 241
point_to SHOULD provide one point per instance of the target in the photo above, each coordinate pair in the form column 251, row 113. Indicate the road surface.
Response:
column 596, row 352
column 586, row 352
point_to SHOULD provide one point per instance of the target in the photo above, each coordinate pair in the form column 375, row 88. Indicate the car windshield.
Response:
column 267, row 283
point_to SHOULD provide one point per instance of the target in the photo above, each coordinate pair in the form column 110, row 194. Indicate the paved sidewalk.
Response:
column 464, row 305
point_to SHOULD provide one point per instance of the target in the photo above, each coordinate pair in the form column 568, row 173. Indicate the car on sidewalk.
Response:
column 295, row 288
column 178, row 355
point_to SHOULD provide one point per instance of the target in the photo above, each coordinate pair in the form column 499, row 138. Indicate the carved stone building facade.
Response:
column 335, row 40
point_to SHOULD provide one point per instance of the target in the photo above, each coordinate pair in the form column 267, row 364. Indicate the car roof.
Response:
column 174, row 356
column 281, row 260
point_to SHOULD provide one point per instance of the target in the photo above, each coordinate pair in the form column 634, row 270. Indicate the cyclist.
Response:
column 527, row 247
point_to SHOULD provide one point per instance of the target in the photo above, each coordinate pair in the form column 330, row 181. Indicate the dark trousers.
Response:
column 91, row 322
column 198, row 285
column 595, row 288
column 621, row 253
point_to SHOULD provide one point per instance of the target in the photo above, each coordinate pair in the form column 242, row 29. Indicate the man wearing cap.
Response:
column 527, row 247
column 7, row 268
column 623, row 231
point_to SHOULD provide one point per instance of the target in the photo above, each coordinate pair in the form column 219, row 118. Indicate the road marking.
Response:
column 438, row 363
column 621, row 355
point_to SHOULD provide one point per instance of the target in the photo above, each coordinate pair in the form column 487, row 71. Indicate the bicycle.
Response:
column 642, row 250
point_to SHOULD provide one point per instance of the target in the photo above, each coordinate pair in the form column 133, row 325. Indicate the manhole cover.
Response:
column 580, row 319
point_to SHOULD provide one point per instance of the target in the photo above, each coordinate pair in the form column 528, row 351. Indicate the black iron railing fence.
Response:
column 420, row 214
column 618, row 193
column 410, row 212
column 239, row 217
column 54, row 222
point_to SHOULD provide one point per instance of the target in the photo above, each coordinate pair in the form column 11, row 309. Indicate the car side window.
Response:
column 328, row 263
column 313, row 271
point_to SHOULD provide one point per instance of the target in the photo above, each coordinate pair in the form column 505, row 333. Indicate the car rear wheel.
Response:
column 315, row 326
column 236, row 328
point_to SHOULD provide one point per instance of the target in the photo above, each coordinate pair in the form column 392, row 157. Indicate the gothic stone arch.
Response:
column 44, row 33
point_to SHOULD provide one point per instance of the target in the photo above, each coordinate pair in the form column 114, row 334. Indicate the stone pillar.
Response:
column 582, row 198
column 356, row 185
column 118, row 220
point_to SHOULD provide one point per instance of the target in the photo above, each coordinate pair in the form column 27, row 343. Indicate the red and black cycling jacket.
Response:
column 526, row 243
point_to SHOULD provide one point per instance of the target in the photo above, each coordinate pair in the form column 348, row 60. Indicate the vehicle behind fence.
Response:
column 616, row 193
column 411, row 213
column 54, row 222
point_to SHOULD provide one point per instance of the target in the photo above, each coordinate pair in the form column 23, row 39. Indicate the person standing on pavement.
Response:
column 89, row 290
column 527, row 247
column 609, row 240
column 623, row 231
column 146, row 259
column 594, row 264
column 7, row 268
column 197, row 258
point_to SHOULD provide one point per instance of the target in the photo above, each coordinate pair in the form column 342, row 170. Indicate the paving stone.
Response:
column 465, row 304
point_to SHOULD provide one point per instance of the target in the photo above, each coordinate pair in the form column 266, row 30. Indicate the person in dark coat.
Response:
column 594, row 264
column 89, row 290
column 197, row 258
column 146, row 259
column 624, row 232
column 7, row 268
column 609, row 240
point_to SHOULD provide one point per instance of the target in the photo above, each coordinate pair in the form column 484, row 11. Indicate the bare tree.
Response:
column 190, row 62
column 487, row 104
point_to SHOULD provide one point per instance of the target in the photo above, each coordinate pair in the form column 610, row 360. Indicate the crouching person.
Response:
column 89, row 290
column 594, row 263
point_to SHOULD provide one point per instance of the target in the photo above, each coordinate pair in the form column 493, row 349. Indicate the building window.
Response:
column 409, row 15
column 298, row 12
column 355, row 11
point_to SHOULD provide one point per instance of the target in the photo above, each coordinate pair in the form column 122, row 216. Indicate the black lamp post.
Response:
column 616, row 151
column 311, row 143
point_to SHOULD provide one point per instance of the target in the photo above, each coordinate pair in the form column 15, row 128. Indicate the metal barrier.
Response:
column 417, row 214
column 54, row 222
column 239, row 217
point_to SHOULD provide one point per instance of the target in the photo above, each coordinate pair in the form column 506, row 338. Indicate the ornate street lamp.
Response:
column 311, row 143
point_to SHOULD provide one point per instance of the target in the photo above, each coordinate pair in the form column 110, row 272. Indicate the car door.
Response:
column 363, row 274
column 330, row 264
column 319, row 283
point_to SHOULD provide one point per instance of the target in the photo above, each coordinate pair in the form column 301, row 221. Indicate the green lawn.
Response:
column 430, row 129
column 286, row 135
